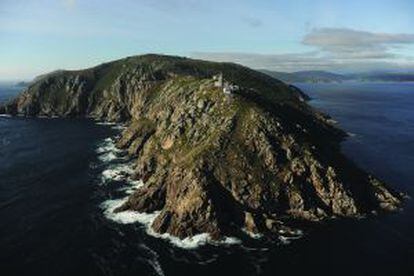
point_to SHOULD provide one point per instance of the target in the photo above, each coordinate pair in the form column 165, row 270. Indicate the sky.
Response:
column 39, row 36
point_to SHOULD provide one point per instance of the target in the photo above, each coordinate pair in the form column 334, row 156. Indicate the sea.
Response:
column 61, row 178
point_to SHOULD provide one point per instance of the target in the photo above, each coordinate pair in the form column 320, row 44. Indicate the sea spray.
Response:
column 108, row 145
column 146, row 220
column 114, row 126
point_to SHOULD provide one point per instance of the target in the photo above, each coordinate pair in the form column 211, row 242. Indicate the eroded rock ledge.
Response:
column 212, row 162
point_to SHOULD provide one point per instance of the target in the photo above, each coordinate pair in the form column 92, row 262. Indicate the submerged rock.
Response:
column 214, row 163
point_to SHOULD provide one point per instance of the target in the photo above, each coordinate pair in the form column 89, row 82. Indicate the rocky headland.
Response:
column 215, row 162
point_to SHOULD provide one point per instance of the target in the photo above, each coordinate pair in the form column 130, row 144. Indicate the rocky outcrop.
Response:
column 212, row 162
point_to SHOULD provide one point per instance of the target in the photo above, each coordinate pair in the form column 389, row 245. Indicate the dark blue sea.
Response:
column 58, row 177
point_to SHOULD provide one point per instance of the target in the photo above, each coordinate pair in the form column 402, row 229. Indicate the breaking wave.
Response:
column 117, row 168
column 114, row 126
column 108, row 151
column 146, row 219
column 252, row 235
column 108, row 145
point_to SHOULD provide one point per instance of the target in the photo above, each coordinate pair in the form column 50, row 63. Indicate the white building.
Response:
column 218, row 80
column 227, row 87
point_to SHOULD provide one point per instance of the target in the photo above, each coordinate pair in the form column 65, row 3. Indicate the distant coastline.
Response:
column 329, row 77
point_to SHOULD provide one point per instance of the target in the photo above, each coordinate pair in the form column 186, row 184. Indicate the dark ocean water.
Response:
column 8, row 91
column 52, row 188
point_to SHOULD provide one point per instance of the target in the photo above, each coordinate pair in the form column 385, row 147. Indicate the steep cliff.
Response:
column 214, row 162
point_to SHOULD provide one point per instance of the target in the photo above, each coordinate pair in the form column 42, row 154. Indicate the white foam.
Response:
column 157, row 266
column 107, row 157
column 332, row 121
column 114, row 126
column 294, row 235
column 154, row 261
column 252, row 235
column 108, row 151
column 287, row 240
column 194, row 241
column 112, row 174
column 294, row 232
column 5, row 115
column 126, row 217
column 118, row 127
column 106, row 123
column 134, row 185
column 119, row 172
column 108, row 145
column 146, row 219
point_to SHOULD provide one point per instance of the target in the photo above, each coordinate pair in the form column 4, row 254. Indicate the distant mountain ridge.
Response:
column 329, row 77
column 382, row 76
column 306, row 76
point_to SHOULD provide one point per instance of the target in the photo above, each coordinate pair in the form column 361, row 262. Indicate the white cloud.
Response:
column 306, row 61
column 347, row 39
column 336, row 49
column 354, row 44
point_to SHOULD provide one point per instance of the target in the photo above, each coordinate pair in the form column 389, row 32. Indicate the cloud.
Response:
column 304, row 61
column 349, row 43
column 277, row 62
column 335, row 49
column 282, row 61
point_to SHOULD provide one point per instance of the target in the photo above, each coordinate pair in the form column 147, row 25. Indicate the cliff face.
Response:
column 213, row 162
